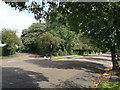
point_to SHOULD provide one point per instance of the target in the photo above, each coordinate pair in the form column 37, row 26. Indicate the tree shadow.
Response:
column 79, row 65
column 19, row 78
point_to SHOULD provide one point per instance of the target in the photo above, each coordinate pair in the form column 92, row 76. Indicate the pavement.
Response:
column 31, row 71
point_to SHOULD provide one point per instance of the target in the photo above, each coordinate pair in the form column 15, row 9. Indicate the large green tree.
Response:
column 47, row 42
column 100, row 21
column 11, row 40
column 30, row 35
column 69, row 37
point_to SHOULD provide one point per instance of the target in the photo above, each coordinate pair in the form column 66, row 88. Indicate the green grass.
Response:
column 69, row 57
column 15, row 55
column 113, row 72
column 110, row 85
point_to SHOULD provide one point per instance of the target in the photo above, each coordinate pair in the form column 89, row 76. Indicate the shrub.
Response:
column 62, row 53
column 23, row 49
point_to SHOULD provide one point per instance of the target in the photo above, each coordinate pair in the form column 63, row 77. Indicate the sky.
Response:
column 13, row 19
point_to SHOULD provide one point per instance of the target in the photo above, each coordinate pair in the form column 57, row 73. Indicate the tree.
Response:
column 84, row 44
column 11, row 40
column 69, row 37
column 100, row 21
column 30, row 35
column 45, row 41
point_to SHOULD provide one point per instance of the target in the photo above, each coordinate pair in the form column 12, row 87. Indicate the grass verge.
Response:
column 68, row 57
column 110, row 85
column 15, row 55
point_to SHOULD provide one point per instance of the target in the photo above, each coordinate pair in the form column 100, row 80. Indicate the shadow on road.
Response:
column 19, row 78
column 90, row 66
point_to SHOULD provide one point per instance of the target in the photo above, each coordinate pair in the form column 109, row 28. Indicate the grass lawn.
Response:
column 110, row 85
column 15, row 55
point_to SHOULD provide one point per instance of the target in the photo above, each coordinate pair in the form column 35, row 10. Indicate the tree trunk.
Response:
column 114, row 60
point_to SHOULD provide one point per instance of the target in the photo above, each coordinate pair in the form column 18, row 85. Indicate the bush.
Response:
column 6, row 51
column 70, row 52
column 55, row 54
column 75, row 53
column 23, row 49
column 62, row 53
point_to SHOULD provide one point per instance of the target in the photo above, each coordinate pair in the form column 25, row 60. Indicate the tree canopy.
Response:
column 30, row 35
column 100, row 21
column 32, row 32
column 47, row 41
column 11, row 40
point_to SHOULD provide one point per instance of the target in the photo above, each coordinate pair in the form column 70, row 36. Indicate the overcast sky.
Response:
column 13, row 19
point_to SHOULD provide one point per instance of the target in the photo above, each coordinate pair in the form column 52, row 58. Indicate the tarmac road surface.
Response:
column 28, row 71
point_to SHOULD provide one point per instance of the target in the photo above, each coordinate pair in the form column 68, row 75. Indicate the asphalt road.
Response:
column 29, row 71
